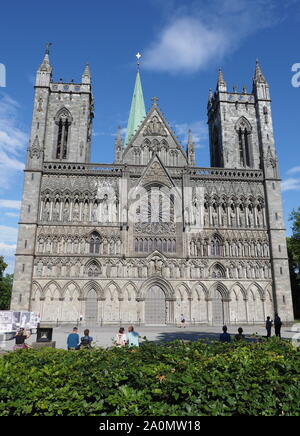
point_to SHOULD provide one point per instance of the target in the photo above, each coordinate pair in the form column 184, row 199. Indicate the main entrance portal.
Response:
column 217, row 308
column 91, row 308
column 155, row 306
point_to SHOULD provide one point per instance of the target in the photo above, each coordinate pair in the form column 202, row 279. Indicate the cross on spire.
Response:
column 48, row 47
column 155, row 100
column 138, row 56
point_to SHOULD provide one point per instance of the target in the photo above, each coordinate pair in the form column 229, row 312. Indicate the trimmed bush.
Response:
column 167, row 379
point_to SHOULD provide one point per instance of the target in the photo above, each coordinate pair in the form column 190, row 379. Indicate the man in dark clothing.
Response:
column 277, row 325
column 20, row 338
column 225, row 337
column 240, row 336
column 268, row 327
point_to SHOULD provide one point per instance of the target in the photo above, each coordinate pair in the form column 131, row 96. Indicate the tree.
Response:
column 293, row 246
column 5, row 286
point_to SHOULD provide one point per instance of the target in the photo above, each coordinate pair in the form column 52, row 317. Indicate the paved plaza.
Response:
column 103, row 336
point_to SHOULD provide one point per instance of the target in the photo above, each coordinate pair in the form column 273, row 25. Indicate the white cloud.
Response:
column 294, row 170
column 8, row 252
column 199, row 132
column 185, row 45
column 7, row 249
column 10, row 204
column 204, row 32
column 8, row 234
column 8, row 238
column 11, row 214
column 13, row 140
column 290, row 184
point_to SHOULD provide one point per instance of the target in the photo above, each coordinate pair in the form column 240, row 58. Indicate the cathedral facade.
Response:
column 152, row 236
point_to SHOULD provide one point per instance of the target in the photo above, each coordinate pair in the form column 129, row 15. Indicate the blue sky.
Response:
column 183, row 44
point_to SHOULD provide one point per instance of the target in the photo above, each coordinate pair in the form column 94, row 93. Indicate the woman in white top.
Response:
column 121, row 338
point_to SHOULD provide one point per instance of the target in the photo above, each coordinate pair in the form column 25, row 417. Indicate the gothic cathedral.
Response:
column 151, row 236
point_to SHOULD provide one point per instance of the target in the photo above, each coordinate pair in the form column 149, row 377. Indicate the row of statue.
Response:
column 103, row 210
column 66, row 267
column 229, row 248
column 69, row 244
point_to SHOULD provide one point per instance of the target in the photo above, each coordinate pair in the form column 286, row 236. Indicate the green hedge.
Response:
column 165, row 379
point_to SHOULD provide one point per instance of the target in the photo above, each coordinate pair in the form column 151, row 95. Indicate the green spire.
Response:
column 137, row 110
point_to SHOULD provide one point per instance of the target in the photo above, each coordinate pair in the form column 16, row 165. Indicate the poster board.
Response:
column 11, row 321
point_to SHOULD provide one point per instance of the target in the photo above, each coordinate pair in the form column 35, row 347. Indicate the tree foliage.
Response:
column 5, row 286
column 293, row 246
column 172, row 378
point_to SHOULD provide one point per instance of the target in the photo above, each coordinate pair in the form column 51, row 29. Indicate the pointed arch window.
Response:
column 243, row 128
column 216, row 158
column 95, row 243
column 63, row 121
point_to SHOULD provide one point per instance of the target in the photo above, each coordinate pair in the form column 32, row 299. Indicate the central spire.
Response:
column 137, row 110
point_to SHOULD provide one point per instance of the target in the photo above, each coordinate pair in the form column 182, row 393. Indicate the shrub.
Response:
column 167, row 379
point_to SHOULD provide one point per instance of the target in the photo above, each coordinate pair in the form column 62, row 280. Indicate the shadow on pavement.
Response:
column 195, row 336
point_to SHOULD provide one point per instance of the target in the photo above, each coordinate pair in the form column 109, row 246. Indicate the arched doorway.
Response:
column 155, row 306
column 217, row 308
column 91, row 307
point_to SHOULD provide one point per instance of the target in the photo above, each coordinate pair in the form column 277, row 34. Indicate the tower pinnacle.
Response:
column 86, row 76
column 221, row 84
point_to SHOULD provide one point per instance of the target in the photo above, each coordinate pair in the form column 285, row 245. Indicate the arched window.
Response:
column 93, row 269
column 218, row 271
column 216, row 246
column 243, row 128
column 216, row 157
column 95, row 243
column 63, row 120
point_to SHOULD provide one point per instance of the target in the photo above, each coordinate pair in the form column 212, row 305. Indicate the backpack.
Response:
column 85, row 342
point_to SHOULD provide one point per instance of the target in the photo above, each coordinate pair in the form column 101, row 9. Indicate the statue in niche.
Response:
column 55, row 212
column 95, row 212
column 40, row 105
column 41, row 245
column 232, row 215
column 104, row 214
column 66, row 212
column 75, row 245
column 85, row 212
column 76, row 211
column 108, row 202
column 118, row 246
column 46, row 211
column 48, row 245
column 69, row 245
column 55, row 245
column 39, row 269
column 214, row 215
column 250, row 216
column 105, row 246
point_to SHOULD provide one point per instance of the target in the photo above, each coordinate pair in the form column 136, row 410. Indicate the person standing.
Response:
column 277, row 325
column 20, row 338
column 225, row 337
column 133, row 337
column 73, row 340
column 269, row 326
column 182, row 320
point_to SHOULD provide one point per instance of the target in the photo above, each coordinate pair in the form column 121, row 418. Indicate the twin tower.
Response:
column 240, row 123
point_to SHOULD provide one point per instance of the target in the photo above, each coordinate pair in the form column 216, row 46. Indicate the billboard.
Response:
column 11, row 321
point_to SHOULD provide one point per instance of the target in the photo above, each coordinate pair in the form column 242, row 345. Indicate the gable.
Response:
column 154, row 136
column 156, row 173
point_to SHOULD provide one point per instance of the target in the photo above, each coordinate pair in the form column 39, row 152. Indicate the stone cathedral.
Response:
column 151, row 237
